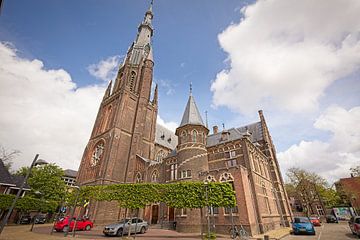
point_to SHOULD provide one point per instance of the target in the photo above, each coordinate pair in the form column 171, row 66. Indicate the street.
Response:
column 328, row 231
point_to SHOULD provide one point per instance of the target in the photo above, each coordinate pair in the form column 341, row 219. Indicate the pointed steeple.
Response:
column 155, row 98
column 191, row 113
column 108, row 90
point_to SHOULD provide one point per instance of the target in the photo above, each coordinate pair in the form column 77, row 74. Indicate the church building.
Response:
column 128, row 146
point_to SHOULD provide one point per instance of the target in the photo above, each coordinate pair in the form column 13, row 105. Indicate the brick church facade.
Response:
column 128, row 146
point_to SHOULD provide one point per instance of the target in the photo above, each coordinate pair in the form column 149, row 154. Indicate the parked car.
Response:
column 39, row 219
column 315, row 221
column 25, row 219
column 303, row 225
column 81, row 224
column 122, row 227
column 354, row 224
column 331, row 219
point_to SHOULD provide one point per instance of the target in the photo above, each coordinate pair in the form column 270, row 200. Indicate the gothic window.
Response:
column 226, row 177
column 209, row 179
column 97, row 154
column 160, row 156
column 194, row 133
column 185, row 174
column 183, row 136
column 138, row 178
column 173, row 171
column 155, row 176
column 132, row 81
column 106, row 118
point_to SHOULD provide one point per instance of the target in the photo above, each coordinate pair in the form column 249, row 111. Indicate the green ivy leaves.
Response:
column 177, row 195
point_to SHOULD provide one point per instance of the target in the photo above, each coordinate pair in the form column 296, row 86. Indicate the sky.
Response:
column 298, row 61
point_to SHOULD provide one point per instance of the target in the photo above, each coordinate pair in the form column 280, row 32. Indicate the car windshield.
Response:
column 313, row 218
column 301, row 220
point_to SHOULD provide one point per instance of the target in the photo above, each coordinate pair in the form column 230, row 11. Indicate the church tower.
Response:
column 124, row 129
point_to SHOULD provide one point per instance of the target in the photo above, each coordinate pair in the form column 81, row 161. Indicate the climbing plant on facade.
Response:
column 177, row 195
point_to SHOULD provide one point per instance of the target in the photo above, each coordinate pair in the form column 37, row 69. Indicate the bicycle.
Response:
column 238, row 231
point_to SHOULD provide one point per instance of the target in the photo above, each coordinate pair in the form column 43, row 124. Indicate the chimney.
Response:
column 215, row 129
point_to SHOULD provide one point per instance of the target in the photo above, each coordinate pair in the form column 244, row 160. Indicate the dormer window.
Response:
column 162, row 137
column 169, row 140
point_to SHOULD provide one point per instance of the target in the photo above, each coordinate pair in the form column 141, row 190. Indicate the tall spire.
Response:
column 191, row 113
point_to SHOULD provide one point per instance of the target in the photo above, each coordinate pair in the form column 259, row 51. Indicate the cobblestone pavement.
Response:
column 328, row 231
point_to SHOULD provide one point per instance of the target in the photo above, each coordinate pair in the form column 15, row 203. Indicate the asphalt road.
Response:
column 328, row 231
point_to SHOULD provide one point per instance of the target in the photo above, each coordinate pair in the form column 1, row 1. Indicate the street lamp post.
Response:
column 33, row 164
column 37, row 213
column 207, row 209
column 72, row 212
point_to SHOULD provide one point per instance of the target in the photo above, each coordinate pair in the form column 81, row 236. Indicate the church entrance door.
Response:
column 154, row 214
column 171, row 214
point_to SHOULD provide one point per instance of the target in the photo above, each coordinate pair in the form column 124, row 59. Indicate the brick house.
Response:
column 127, row 145
column 349, row 189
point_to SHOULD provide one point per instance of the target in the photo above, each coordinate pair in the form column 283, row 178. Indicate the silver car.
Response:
column 122, row 227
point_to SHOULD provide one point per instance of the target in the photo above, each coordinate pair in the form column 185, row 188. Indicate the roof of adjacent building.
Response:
column 70, row 173
column 5, row 176
column 165, row 137
column 18, row 180
column 191, row 114
column 255, row 130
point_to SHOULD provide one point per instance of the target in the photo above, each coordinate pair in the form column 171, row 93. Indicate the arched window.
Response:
column 183, row 136
column 106, row 118
column 160, row 156
column 97, row 154
column 155, row 176
column 138, row 178
column 194, row 135
column 132, row 81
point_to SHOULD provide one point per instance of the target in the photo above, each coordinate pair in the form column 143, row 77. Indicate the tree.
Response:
column 22, row 171
column 7, row 156
column 46, row 179
column 310, row 189
column 355, row 171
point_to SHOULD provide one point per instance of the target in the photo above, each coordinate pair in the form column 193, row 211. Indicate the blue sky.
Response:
column 299, row 66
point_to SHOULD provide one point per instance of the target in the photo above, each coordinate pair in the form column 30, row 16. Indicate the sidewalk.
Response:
column 274, row 234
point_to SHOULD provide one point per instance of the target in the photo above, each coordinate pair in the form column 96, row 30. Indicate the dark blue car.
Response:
column 302, row 225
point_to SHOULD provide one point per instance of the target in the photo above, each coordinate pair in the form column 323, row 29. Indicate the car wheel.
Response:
column 66, row 229
column 88, row 227
column 142, row 230
column 119, row 232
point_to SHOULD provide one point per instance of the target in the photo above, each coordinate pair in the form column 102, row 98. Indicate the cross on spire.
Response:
column 190, row 88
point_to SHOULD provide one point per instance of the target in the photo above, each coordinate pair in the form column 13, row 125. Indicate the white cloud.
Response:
column 284, row 54
column 106, row 69
column 332, row 159
column 169, row 125
column 42, row 111
column 167, row 86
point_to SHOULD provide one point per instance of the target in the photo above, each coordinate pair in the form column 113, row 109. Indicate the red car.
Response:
column 81, row 224
column 315, row 221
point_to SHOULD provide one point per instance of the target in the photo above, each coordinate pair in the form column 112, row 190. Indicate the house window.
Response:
column 154, row 176
column 231, row 163
column 160, row 156
column 97, row 154
column 228, row 210
column 183, row 212
column 138, row 178
column 185, row 174
column 213, row 210
column 320, row 210
column 132, row 80
column 183, row 136
column 194, row 133
column 173, row 172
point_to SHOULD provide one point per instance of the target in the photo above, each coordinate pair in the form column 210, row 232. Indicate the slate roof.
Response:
column 191, row 114
column 70, row 173
column 165, row 137
column 254, row 129
column 18, row 180
column 5, row 176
